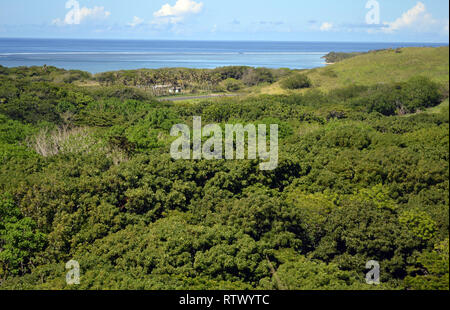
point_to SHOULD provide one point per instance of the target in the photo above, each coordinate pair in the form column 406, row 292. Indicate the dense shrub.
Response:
column 231, row 72
column 19, row 239
column 400, row 98
column 334, row 57
column 420, row 93
column 297, row 81
column 231, row 85
column 257, row 76
column 355, row 182
column 121, row 92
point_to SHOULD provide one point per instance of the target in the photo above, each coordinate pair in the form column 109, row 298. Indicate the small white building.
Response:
column 167, row 88
column 175, row 90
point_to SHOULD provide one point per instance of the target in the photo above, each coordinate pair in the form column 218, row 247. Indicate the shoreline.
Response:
column 96, row 56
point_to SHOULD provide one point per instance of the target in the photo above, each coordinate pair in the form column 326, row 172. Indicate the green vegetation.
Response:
column 232, row 85
column 334, row 57
column 386, row 66
column 297, row 81
column 363, row 175
column 418, row 93
column 378, row 67
column 158, row 81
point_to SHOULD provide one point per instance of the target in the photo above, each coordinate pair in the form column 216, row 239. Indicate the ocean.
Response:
column 108, row 55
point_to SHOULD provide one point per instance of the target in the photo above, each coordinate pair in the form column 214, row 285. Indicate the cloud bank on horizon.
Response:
column 208, row 19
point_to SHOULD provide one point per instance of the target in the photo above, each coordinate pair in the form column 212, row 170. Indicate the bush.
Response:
column 298, row 81
column 349, row 92
column 121, row 92
column 334, row 57
column 19, row 239
column 399, row 98
column 349, row 187
column 420, row 93
column 63, row 140
column 235, row 72
column 257, row 76
column 231, row 85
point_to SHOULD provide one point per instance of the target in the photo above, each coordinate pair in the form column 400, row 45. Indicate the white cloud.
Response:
column 78, row 14
column 181, row 8
column 326, row 26
column 415, row 18
column 136, row 22
column 176, row 13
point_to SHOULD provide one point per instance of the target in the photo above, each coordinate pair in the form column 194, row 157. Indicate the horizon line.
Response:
column 225, row 40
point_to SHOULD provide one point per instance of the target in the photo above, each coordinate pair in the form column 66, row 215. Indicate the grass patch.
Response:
column 385, row 66
column 442, row 108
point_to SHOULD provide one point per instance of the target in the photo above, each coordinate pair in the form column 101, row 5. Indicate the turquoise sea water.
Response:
column 108, row 55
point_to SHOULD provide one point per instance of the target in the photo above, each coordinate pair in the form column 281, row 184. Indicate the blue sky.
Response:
column 274, row 20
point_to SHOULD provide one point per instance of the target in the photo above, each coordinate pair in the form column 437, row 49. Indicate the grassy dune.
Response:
column 378, row 67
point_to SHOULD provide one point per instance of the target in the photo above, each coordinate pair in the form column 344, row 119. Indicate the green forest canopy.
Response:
column 86, row 174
